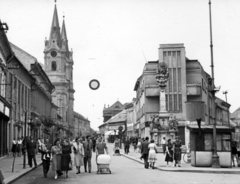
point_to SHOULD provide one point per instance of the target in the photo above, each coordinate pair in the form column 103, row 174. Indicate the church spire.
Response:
column 55, row 29
column 64, row 36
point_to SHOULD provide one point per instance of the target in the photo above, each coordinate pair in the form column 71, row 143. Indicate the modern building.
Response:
column 59, row 68
column 187, row 96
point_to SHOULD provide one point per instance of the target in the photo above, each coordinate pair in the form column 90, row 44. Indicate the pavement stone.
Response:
column 6, row 164
column 185, row 167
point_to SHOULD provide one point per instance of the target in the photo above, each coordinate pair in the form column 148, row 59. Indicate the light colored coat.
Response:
column 79, row 154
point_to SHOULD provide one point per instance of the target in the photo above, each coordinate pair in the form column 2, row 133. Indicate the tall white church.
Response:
column 59, row 68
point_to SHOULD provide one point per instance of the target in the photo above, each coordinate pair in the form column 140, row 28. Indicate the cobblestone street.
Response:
column 127, row 171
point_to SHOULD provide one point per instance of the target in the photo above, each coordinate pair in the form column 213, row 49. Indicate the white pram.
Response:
column 103, row 162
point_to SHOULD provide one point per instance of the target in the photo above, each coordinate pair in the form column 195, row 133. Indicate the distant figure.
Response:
column 177, row 151
column 127, row 145
column 14, row 146
column 234, row 152
column 152, row 154
column 169, row 152
column 163, row 143
column 145, row 152
column 31, row 150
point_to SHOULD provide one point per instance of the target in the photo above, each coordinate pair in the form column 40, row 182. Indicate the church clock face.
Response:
column 53, row 53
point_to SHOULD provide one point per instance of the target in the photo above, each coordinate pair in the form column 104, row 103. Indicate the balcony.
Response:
column 194, row 89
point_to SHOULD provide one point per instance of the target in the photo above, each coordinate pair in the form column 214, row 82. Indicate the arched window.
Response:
column 54, row 66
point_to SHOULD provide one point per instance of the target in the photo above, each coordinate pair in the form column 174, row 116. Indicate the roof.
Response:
column 80, row 116
column 235, row 114
column 120, row 117
column 116, row 106
column 25, row 58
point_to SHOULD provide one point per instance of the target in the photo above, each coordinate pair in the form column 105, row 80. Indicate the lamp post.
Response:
column 228, row 116
column 215, row 157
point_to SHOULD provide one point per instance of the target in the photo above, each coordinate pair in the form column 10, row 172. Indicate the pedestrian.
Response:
column 127, row 145
column 152, row 153
column 14, row 147
column 78, row 154
column 139, row 144
column 100, row 148
column 169, row 152
column 19, row 147
column 56, row 157
column 177, row 151
column 234, row 152
column 94, row 143
column 46, row 156
column 144, row 152
column 31, row 151
column 163, row 143
column 88, row 154
column 66, row 158
column 135, row 146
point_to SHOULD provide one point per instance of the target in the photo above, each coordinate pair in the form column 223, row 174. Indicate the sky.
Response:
column 113, row 39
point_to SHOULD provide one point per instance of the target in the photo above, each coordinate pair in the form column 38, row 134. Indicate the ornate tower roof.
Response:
column 55, row 29
column 64, row 36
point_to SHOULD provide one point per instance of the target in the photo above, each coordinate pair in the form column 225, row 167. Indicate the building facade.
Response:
column 82, row 125
column 59, row 68
column 187, row 96
column 5, row 125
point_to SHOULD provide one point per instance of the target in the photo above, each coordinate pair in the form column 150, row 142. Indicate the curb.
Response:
column 23, row 172
column 186, row 170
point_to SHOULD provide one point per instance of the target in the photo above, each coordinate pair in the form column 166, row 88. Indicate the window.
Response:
column 54, row 66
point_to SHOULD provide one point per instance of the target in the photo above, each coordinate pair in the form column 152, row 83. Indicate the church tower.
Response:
column 59, row 68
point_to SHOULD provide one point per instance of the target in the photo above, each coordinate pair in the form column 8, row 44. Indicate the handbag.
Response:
column 70, row 165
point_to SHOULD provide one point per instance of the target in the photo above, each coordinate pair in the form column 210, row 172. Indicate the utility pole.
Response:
column 215, row 157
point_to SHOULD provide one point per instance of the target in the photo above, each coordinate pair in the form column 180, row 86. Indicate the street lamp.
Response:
column 225, row 93
column 215, row 157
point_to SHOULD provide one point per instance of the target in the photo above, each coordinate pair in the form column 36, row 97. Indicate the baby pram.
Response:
column 103, row 162
column 116, row 149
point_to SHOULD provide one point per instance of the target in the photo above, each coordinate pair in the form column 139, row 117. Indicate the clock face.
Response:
column 53, row 53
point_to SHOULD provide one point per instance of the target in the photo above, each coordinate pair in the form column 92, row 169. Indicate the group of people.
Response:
column 171, row 150
column 64, row 153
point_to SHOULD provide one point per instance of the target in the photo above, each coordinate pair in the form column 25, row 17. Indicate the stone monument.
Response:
column 163, row 124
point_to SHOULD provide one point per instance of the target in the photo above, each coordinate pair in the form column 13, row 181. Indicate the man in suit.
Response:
column 88, row 146
column 31, row 150
column 145, row 151
column 46, row 156
column 127, row 145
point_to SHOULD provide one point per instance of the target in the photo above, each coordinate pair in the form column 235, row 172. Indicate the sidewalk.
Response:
column 6, row 167
column 185, row 167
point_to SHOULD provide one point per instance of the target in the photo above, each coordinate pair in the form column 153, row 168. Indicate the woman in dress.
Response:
column 152, row 154
column 177, row 151
column 169, row 152
column 78, row 154
column 56, row 157
column 66, row 157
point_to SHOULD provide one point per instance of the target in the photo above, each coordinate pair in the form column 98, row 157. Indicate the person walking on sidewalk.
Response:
column 66, row 157
column 56, row 158
column 78, row 154
column 19, row 147
column 31, row 151
column 163, row 143
column 145, row 152
column 88, row 154
column 46, row 156
column 169, row 152
column 177, row 151
column 152, row 153
column 127, row 145
column 14, row 146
